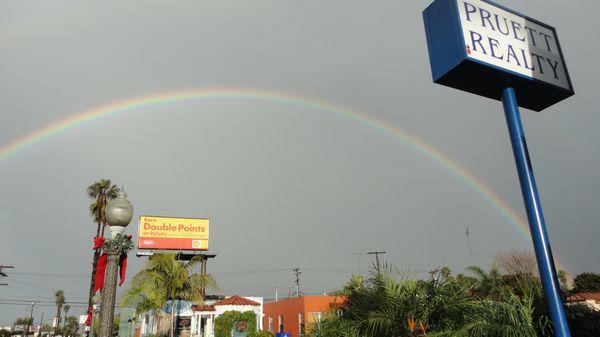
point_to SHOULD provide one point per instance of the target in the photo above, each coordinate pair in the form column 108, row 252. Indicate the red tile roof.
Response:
column 582, row 297
column 236, row 300
column 203, row 308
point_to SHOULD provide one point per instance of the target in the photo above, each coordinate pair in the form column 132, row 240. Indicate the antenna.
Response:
column 468, row 236
column 297, row 273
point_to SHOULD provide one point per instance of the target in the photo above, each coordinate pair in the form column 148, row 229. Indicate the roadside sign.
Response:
column 482, row 47
column 169, row 233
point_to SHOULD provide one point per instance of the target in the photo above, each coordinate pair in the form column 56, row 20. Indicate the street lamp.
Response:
column 118, row 213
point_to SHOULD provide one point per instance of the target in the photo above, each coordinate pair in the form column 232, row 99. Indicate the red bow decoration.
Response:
column 98, row 242
column 101, row 266
column 101, row 271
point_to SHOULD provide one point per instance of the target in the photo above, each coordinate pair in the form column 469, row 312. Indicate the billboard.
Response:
column 481, row 47
column 169, row 233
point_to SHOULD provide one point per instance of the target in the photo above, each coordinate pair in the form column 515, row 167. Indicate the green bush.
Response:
column 224, row 323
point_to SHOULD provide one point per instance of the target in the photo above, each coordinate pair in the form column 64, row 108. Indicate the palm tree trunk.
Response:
column 99, row 232
column 158, row 318
column 58, row 309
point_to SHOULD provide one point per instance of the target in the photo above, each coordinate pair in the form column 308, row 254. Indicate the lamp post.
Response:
column 118, row 213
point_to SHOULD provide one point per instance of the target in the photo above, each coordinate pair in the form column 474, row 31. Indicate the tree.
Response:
column 487, row 284
column 59, row 299
column 100, row 191
column 392, row 305
column 563, row 279
column 164, row 278
column 586, row 282
column 71, row 326
column 66, row 309
column 519, row 264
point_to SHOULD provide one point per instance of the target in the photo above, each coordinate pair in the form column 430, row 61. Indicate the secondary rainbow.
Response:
column 137, row 103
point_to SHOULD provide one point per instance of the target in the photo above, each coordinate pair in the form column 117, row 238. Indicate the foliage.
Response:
column 59, row 299
column 101, row 191
column 121, row 243
column 224, row 323
column 586, row 282
column 166, row 278
column 264, row 333
column 388, row 304
column 70, row 327
column 583, row 321
column 24, row 321
column 517, row 263
column 66, row 309
column 115, row 327
column 4, row 333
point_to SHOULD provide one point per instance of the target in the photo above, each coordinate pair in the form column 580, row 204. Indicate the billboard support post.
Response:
column 537, row 226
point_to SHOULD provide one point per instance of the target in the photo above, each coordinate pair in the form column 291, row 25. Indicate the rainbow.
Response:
column 138, row 103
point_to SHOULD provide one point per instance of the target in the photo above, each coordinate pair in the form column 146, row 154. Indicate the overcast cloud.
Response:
column 284, row 185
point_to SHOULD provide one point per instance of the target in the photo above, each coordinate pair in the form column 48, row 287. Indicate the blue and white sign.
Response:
column 482, row 47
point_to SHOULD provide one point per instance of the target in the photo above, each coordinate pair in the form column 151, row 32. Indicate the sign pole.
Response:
column 537, row 226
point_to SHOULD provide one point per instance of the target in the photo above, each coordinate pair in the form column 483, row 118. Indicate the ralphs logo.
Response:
column 147, row 242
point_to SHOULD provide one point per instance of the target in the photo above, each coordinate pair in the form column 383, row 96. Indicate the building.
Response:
column 203, row 316
column 198, row 320
column 297, row 315
column 592, row 300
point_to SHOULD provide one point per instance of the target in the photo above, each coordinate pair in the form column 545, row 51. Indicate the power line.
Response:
column 49, row 275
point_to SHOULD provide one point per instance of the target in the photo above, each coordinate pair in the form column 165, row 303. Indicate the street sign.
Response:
column 481, row 47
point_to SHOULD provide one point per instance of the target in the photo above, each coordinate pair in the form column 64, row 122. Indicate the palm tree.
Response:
column 100, row 191
column 488, row 284
column 396, row 306
column 66, row 309
column 164, row 278
column 59, row 299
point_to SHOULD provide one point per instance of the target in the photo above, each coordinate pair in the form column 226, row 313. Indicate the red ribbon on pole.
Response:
column 123, row 268
column 88, row 319
column 100, row 273
column 101, row 266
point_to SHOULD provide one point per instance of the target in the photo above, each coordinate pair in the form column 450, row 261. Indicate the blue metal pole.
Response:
column 537, row 226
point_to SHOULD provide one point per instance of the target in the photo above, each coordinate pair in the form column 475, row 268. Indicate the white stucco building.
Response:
column 199, row 319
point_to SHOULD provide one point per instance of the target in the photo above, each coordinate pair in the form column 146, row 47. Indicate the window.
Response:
column 271, row 323
column 301, row 324
column 280, row 323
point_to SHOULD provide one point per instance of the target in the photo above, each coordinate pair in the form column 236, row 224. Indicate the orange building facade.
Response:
column 297, row 315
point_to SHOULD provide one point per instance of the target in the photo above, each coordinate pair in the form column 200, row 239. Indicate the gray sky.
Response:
column 283, row 185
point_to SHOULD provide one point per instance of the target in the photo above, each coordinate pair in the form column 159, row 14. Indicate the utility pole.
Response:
column 30, row 321
column 297, row 273
column 3, row 274
column 41, row 323
column 376, row 253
